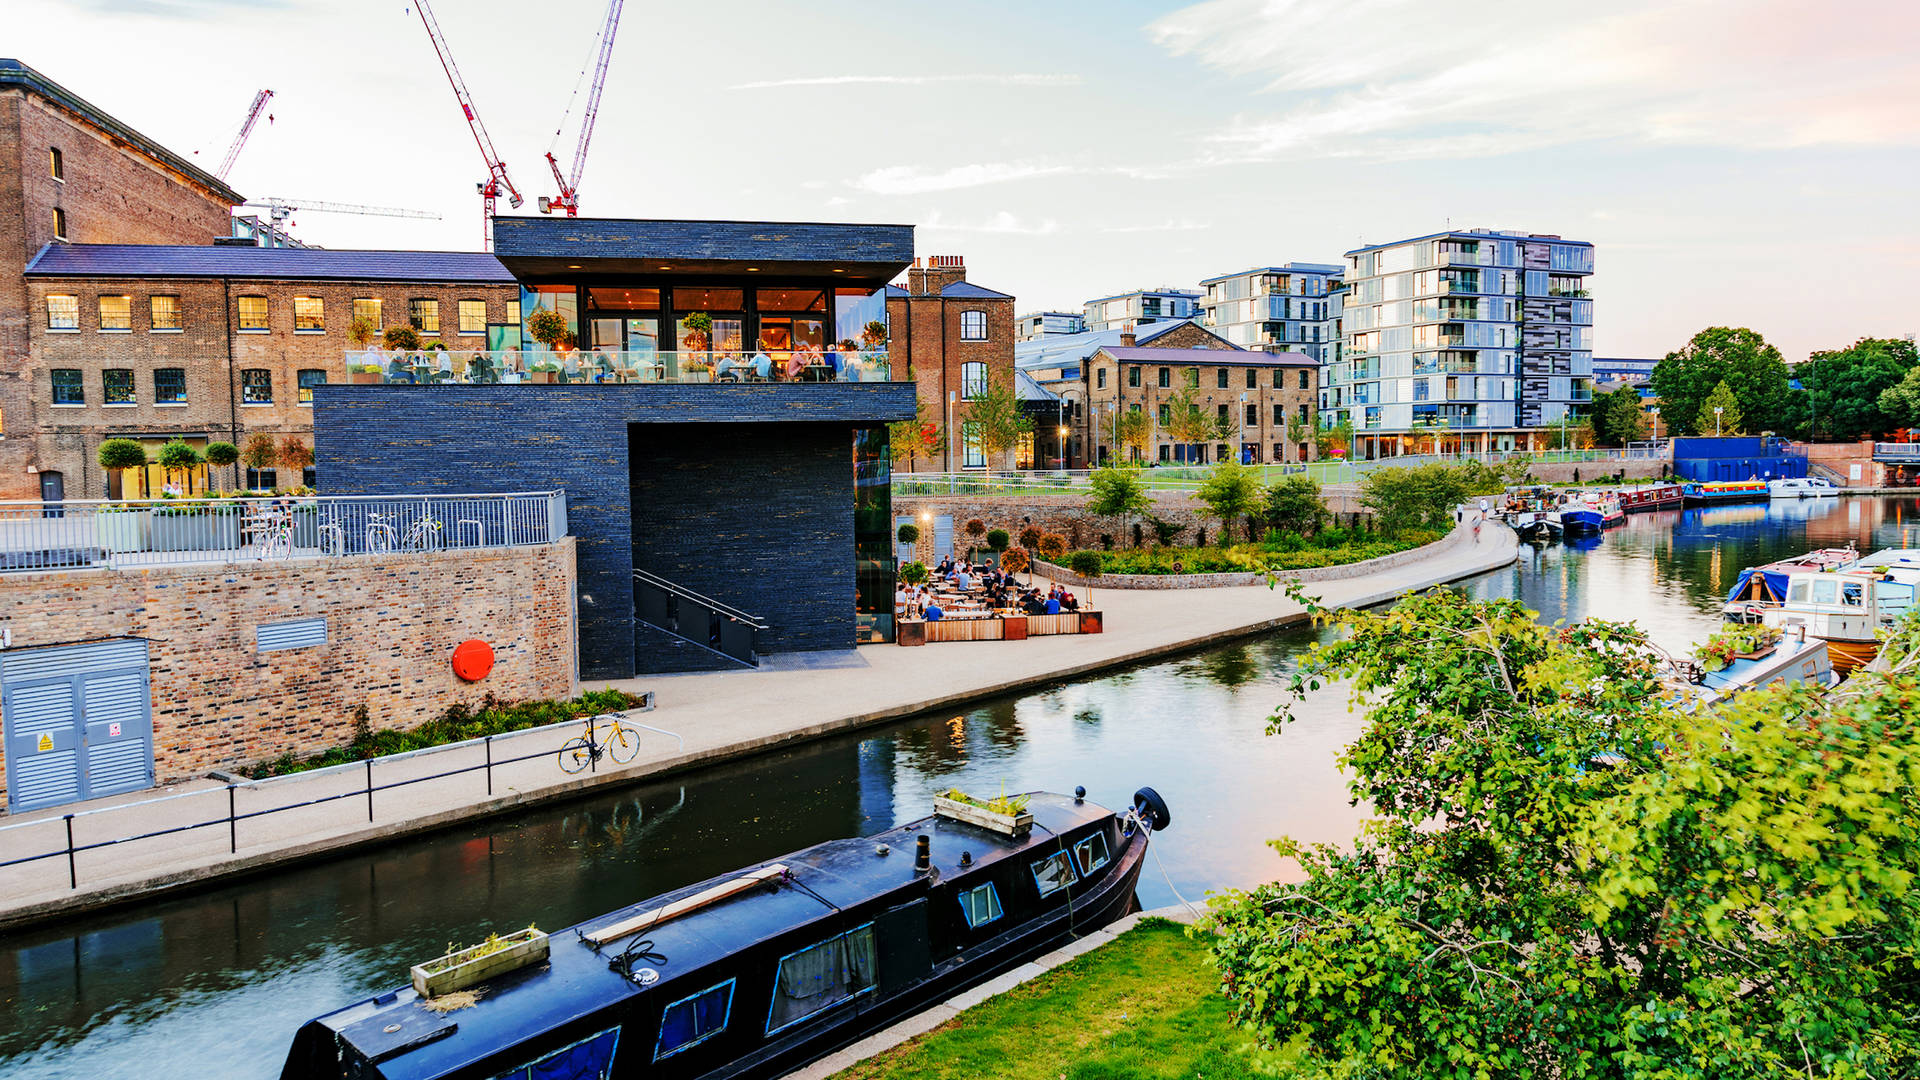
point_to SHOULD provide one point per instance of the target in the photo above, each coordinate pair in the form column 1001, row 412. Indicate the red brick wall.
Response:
column 927, row 330
column 392, row 623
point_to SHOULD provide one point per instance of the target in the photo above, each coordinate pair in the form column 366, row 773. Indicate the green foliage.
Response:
column 222, row 453
column 1727, row 420
column 909, row 532
column 1087, row 564
column 1292, row 504
column 1136, row 433
column 1230, row 492
column 360, row 330
column 407, row 339
column 1424, row 497
column 997, row 539
column 176, row 456
column 1278, row 551
column 1846, row 386
column 1901, row 401
column 910, row 440
column 1618, row 418
column 1030, row 537
column 995, row 415
column 122, row 454
column 1338, row 437
column 546, row 326
column 1752, row 369
column 697, row 322
column 1165, row 531
column 1117, row 493
column 913, row 573
column 1567, row 877
column 1186, row 424
column 459, row 722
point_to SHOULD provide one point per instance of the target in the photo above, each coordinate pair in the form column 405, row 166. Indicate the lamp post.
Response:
column 1241, row 450
column 1062, row 432
column 1717, row 410
column 1654, row 411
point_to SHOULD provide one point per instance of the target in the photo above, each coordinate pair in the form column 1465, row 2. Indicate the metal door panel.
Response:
column 41, row 708
column 77, row 722
column 43, row 779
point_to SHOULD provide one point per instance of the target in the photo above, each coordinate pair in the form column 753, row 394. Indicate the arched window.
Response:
column 973, row 326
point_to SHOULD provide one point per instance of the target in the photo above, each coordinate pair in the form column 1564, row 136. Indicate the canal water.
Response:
column 214, row 983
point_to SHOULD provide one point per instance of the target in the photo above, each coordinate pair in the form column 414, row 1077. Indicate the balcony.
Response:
column 471, row 366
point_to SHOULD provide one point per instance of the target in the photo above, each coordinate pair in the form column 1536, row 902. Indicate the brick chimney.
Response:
column 1126, row 335
column 939, row 272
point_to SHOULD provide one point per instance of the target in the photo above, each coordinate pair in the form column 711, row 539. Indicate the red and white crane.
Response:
column 569, row 197
column 246, row 128
column 497, row 181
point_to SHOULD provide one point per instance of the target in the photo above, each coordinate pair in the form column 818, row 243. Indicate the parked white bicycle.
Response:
column 272, row 531
column 423, row 535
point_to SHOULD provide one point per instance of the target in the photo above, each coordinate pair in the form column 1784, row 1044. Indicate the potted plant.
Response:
column 697, row 332
column 1030, row 537
column 461, row 968
column 909, row 533
column 177, row 457
column 545, row 371
column 1086, row 564
column 117, row 455
column 221, row 455
column 365, row 373
column 874, row 334
column 401, row 338
column 976, row 530
column 1006, row 814
column 997, row 541
column 1053, row 547
column 1014, row 560
column 913, row 573
column 696, row 371
column 360, row 330
column 548, row 327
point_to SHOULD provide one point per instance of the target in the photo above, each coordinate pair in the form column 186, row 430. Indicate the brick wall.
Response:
column 392, row 623
column 1107, row 385
column 926, row 330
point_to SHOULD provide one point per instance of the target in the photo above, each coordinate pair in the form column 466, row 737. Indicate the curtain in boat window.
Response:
column 822, row 976
column 695, row 1019
column 589, row 1059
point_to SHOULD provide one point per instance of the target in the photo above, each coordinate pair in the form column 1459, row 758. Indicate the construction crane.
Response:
column 569, row 197
column 280, row 209
column 246, row 128
column 497, row 181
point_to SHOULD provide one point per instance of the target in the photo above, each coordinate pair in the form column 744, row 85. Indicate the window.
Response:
column 1220, row 411
column 821, row 977
column 59, row 224
column 262, row 479
column 1826, row 592
column 981, row 905
column 63, row 312
column 1305, row 378
column 169, row 386
column 1166, row 414
column 473, row 316
column 1796, row 595
column 974, row 456
column 116, row 314
column 1252, row 413
column 253, row 314
column 1306, row 412
column 513, row 312
column 1166, row 377
column 56, row 164
column 368, row 308
column 1053, row 873
column 1166, row 452
column 163, row 312
column 973, row 326
column 256, row 387
column 591, row 1057
column 693, row 1020
column 1100, row 378
column 1220, row 379
column 1279, row 415
column 1091, row 853
column 424, row 315
column 973, row 379
column 117, row 385
column 1193, row 378
column 309, row 315
column 1133, row 375
column 1279, row 451
column 1252, row 378
column 67, row 387
column 307, row 379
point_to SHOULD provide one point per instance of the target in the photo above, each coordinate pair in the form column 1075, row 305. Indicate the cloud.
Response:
column 1002, row 222
column 911, row 180
column 1170, row 225
column 1422, row 80
column 1019, row 79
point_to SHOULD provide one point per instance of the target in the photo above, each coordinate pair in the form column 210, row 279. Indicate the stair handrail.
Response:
column 682, row 591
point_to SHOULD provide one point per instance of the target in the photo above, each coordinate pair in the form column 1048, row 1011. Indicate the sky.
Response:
column 1735, row 162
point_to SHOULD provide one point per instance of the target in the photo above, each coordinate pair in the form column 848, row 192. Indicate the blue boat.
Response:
column 1579, row 516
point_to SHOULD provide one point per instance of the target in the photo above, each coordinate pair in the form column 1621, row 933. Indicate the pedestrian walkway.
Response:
column 720, row 715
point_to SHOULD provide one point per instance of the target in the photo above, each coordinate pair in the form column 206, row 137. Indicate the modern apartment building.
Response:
column 1141, row 306
column 1290, row 308
column 1470, row 339
column 1039, row 324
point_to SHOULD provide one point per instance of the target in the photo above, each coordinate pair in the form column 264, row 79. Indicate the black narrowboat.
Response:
column 761, row 971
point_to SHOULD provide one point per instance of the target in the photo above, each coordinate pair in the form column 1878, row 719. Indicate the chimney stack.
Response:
column 1126, row 334
column 939, row 272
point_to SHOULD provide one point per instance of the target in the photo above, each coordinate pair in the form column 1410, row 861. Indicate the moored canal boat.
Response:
column 1761, row 587
column 1846, row 608
column 1717, row 492
column 1801, row 487
column 1657, row 497
column 761, row 971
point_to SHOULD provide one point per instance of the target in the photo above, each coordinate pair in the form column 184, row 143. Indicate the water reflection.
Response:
column 233, row 970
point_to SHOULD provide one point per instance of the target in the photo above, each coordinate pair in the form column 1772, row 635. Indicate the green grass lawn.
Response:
column 1146, row 1006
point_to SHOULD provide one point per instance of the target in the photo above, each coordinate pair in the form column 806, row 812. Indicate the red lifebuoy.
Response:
column 472, row 659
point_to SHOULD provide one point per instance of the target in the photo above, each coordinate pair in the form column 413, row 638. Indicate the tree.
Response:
column 1422, row 497
column 1030, row 537
column 259, row 452
column 223, row 454
column 1136, row 433
column 1301, row 430
column 1901, row 401
column 913, row 573
column 116, row 455
column 997, row 539
column 1230, row 492
column 1844, row 387
column 910, row 440
column 1088, row 565
column 1618, row 418
column 177, row 457
column 1338, row 437
column 407, row 339
column 1292, row 504
column 296, row 457
column 1015, row 559
column 1053, row 547
column 1186, row 424
column 1752, row 369
column 1727, row 420
column 1117, row 493
column 909, row 533
column 997, row 420
column 1567, row 877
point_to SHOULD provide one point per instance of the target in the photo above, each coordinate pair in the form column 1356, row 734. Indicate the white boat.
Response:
column 1794, row 658
column 1801, row 487
column 1847, row 608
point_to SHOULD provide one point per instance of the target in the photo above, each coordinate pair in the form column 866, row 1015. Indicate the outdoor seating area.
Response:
column 503, row 366
column 963, row 602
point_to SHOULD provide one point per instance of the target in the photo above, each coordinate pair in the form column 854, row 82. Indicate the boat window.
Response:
column 1798, row 594
column 981, row 904
column 1826, row 591
column 1053, row 873
column 693, row 1020
column 822, row 976
column 1851, row 594
column 1091, row 853
column 589, row 1059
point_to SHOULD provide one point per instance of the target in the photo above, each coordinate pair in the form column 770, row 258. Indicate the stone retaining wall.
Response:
column 392, row 623
column 1462, row 534
column 1068, row 516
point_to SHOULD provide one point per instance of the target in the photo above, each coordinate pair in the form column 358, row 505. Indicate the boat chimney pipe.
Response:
column 922, row 854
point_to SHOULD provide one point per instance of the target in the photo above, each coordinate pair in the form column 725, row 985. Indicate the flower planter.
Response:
column 365, row 376
column 696, row 376
column 200, row 531
column 1015, row 825
column 543, row 376
column 459, row 970
column 121, row 531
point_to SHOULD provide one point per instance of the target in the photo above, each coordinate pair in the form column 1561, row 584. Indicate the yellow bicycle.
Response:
column 622, row 744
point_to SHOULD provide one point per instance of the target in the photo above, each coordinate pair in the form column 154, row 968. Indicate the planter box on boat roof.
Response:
column 471, row 966
column 1013, row 820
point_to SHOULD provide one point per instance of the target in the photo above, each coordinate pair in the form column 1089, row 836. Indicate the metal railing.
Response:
column 1896, row 451
column 118, row 534
column 130, row 823
column 700, row 619
column 508, row 366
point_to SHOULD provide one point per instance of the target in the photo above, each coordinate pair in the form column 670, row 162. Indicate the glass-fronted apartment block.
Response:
column 1290, row 308
column 1466, row 340
column 1039, row 324
column 1141, row 306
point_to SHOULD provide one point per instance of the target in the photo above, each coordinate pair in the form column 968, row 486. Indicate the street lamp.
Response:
column 1717, row 410
column 1062, row 432
column 1654, row 411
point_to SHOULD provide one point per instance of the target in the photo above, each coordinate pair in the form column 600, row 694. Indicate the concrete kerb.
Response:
column 927, row 1021
column 1504, row 549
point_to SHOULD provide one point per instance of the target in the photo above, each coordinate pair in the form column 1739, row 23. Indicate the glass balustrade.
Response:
column 508, row 366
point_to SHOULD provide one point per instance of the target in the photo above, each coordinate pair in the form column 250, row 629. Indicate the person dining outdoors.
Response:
column 934, row 611
column 443, row 369
column 399, row 371
column 796, row 363
column 731, row 368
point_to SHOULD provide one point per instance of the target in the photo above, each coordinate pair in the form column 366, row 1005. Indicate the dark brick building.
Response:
column 956, row 336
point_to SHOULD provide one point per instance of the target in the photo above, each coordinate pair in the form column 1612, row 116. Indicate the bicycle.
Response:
column 622, row 745
column 272, row 530
column 423, row 535
column 333, row 538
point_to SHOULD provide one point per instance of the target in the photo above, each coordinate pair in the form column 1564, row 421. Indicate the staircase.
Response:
column 1827, row 473
column 682, row 630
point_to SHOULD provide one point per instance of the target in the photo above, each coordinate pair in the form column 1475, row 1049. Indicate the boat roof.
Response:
column 1891, row 557
column 1740, row 673
column 577, row 981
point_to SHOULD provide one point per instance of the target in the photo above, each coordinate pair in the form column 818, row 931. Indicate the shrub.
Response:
column 1404, row 499
column 360, row 330
column 1230, row 491
column 176, row 456
column 1164, row 531
column 913, row 573
column 909, row 533
column 1087, row 564
column 1014, row 560
column 122, row 454
column 546, row 325
column 1053, row 546
column 405, row 338
column 1292, row 504
column 1030, row 537
column 294, row 455
column 976, row 527
column 222, row 453
column 997, row 539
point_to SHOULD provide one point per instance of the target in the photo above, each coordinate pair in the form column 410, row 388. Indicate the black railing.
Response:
column 700, row 619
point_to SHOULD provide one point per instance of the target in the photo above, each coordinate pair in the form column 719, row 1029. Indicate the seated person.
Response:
column 1069, row 602
column 934, row 614
column 398, row 371
column 962, row 581
column 1053, row 605
column 796, row 363
column 945, row 567
column 731, row 368
column 762, row 363
column 1034, row 605
column 443, row 370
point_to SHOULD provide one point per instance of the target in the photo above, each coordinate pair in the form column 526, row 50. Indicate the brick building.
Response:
column 71, row 172
column 218, row 343
column 1268, row 397
column 958, row 337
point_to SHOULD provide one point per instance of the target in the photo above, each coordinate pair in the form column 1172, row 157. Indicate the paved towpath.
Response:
column 718, row 715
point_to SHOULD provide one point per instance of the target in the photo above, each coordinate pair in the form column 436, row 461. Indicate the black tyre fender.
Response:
column 1152, row 809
